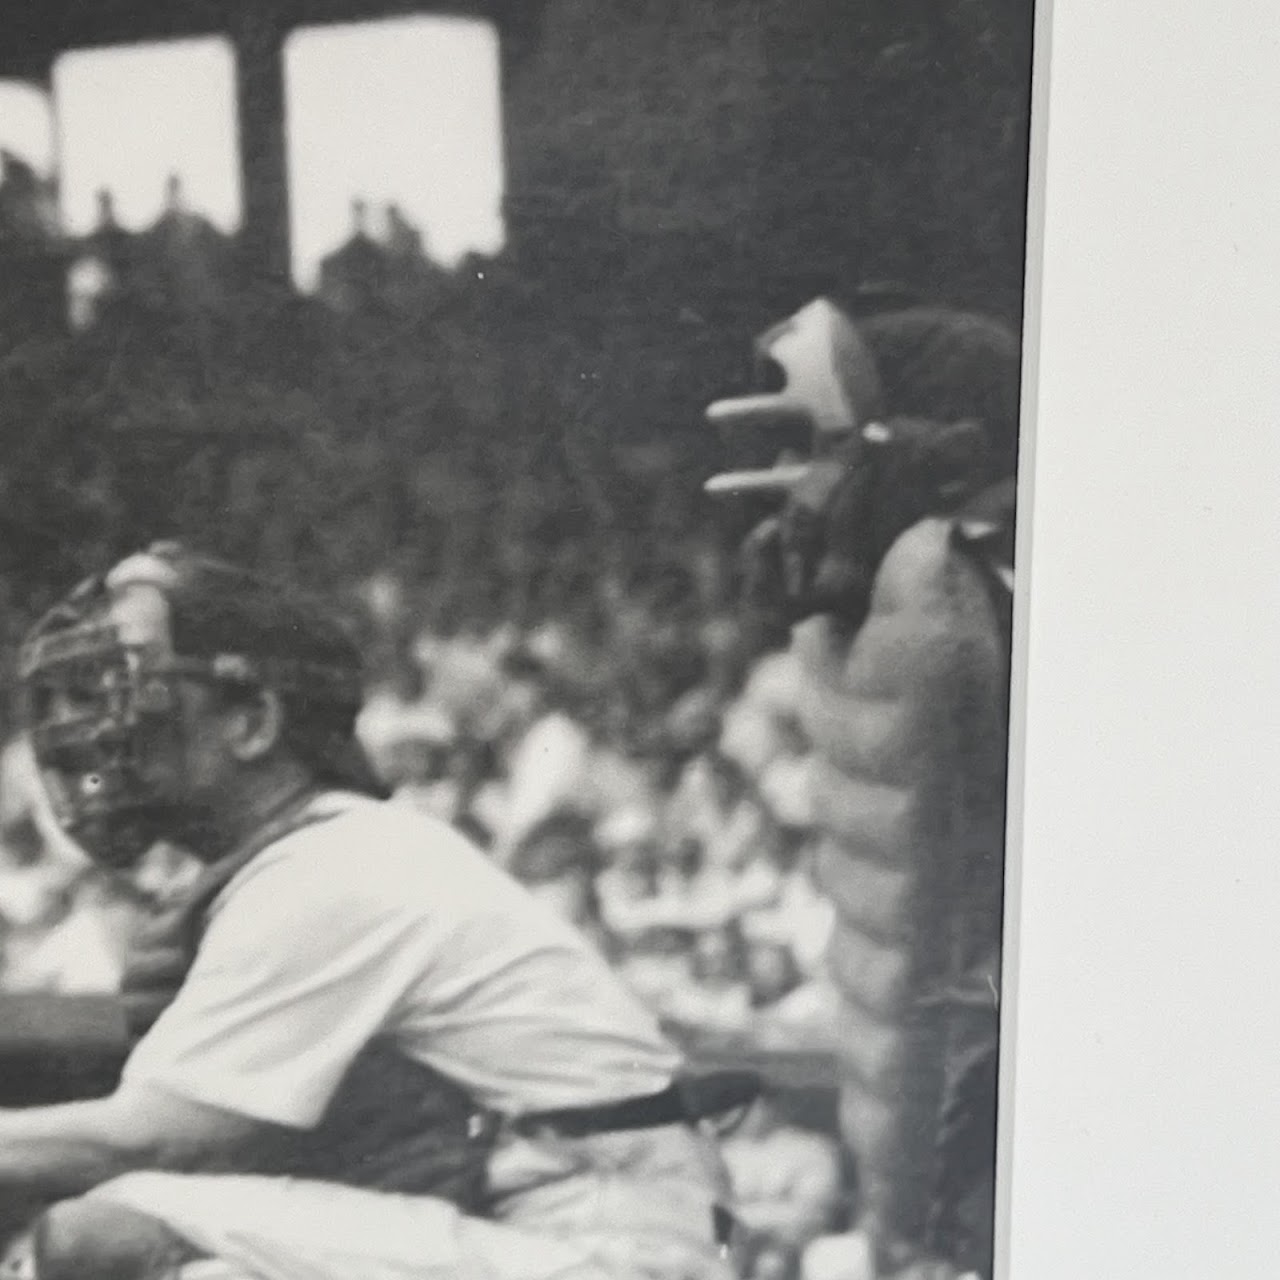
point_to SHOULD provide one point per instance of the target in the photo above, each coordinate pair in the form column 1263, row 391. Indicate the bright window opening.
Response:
column 26, row 125
column 401, row 115
column 132, row 119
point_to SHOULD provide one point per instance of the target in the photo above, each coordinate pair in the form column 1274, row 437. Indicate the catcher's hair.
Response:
column 218, row 607
column 948, row 365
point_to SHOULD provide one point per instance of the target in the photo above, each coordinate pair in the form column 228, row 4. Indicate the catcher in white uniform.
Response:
column 362, row 1051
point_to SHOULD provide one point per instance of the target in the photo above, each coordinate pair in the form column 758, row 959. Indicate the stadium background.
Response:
column 497, row 468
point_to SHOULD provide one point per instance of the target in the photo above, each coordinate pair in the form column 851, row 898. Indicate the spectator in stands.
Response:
column 66, row 923
column 629, row 883
column 79, row 947
column 797, row 914
column 470, row 794
column 38, row 872
column 772, row 972
column 353, row 278
column 716, row 804
column 717, row 998
column 403, row 734
column 559, row 862
column 768, row 1260
column 404, row 241
column 187, row 256
column 789, row 1010
column 32, row 300
column 548, row 746
column 419, row 765
column 109, row 238
column 618, row 781
column 788, row 1181
column 28, row 206
column 657, row 965
column 103, row 268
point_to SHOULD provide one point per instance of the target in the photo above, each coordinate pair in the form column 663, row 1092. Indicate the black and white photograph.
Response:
column 507, row 595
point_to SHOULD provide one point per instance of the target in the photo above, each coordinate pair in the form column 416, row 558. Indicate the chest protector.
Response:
column 909, row 720
column 891, row 562
column 394, row 1124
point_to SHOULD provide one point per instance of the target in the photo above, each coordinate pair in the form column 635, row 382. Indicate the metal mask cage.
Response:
column 135, row 680
column 103, row 718
column 87, row 694
column 87, row 697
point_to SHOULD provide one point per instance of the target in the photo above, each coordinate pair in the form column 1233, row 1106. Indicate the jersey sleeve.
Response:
column 294, row 976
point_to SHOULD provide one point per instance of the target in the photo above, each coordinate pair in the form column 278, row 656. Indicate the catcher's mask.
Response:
column 906, row 415
column 102, row 675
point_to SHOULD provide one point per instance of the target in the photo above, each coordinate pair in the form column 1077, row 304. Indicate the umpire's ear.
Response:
column 256, row 726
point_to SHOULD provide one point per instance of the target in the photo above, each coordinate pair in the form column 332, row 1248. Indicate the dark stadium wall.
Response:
column 813, row 143
column 682, row 174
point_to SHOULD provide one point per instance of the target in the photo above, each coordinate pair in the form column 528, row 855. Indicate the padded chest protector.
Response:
column 908, row 721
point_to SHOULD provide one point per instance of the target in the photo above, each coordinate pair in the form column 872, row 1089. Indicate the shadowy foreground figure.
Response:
column 888, row 567
column 362, row 1051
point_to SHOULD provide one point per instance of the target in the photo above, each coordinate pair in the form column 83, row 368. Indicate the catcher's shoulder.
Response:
column 924, row 568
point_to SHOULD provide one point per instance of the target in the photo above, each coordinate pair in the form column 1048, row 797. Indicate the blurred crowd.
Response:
column 636, row 763
column 640, row 781
column 544, row 673
column 644, row 778
column 556, row 664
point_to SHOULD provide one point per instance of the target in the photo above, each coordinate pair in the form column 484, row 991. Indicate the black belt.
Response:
column 685, row 1101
